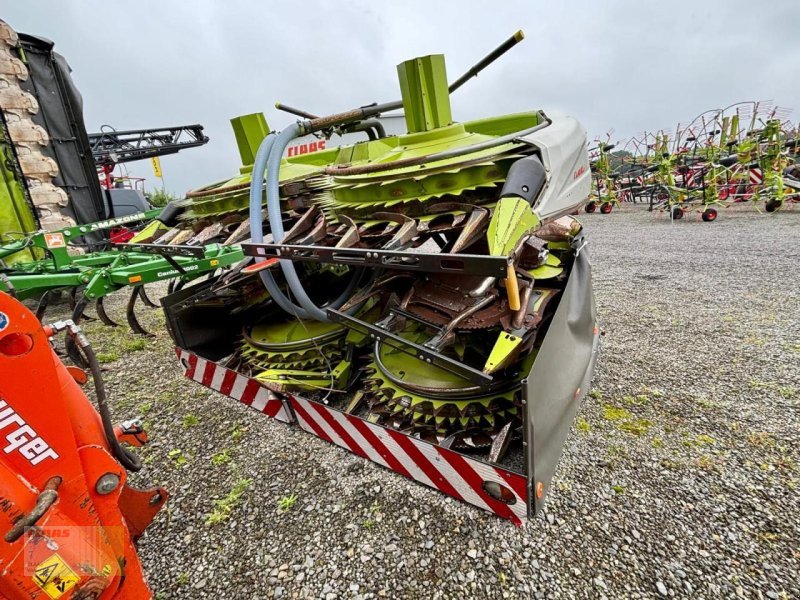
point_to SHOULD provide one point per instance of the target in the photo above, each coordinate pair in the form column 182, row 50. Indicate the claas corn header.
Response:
column 421, row 300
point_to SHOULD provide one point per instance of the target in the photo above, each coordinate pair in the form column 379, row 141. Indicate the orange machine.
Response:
column 68, row 518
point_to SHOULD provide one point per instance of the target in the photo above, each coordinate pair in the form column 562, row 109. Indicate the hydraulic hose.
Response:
column 256, row 226
column 269, row 158
column 276, row 225
column 128, row 459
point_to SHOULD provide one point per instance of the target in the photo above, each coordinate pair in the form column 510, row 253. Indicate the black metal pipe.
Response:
column 372, row 110
column 487, row 60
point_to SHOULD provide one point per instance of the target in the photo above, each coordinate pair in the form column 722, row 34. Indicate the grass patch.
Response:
column 595, row 394
column 134, row 345
column 635, row 426
column 618, row 489
column 583, row 426
column 701, row 440
column 190, row 420
column 108, row 357
column 221, row 458
column 614, row 413
column 177, row 456
column 635, row 400
column 286, row 503
column 706, row 462
column 224, row 507
column 762, row 439
column 238, row 432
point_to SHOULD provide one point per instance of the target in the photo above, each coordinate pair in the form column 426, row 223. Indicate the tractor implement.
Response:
column 70, row 518
column 421, row 300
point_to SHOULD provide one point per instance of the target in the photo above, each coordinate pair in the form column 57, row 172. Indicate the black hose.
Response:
column 128, row 459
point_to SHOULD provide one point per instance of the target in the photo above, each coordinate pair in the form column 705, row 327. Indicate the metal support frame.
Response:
column 426, row 262
column 412, row 349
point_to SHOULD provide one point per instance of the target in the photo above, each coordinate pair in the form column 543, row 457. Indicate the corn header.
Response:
column 423, row 300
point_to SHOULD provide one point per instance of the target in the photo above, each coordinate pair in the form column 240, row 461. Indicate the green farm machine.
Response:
column 57, row 223
column 745, row 152
column 422, row 300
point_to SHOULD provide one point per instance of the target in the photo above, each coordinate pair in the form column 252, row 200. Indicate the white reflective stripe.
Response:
column 452, row 476
column 359, row 439
column 400, row 454
column 312, row 412
column 238, row 387
column 281, row 415
column 216, row 381
column 260, row 400
column 302, row 423
column 199, row 369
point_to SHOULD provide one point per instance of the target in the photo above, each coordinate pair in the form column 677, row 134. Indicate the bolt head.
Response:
column 107, row 483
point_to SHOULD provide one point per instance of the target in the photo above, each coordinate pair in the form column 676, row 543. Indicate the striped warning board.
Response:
column 457, row 475
column 246, row 390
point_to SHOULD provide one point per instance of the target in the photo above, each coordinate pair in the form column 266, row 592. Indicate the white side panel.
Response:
column 564, row 153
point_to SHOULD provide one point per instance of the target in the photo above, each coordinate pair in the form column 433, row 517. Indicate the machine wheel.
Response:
column 606, row 207
column 710, row 214
column 677, row 212
column 772, row 205
column 590, row 207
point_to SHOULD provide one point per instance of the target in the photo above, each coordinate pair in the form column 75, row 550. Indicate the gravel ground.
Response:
column 679, row 478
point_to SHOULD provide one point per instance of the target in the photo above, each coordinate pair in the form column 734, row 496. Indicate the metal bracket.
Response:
column 464, row 264
column 165, row 250
column 410, row 348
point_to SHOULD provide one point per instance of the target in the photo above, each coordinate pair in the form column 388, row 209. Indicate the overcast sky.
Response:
column 628, row 65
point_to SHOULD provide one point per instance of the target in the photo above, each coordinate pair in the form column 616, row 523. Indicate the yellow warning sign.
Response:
column 156, row 166
column 55, row 577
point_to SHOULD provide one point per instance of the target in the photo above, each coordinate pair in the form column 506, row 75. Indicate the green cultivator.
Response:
column 44, row 248
column 411, row 298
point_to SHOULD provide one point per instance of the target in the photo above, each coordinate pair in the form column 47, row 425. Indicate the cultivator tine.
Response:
column 146, row 299
column 101, row 312
column 42, row 306
column 130, row 313
column 73, row 298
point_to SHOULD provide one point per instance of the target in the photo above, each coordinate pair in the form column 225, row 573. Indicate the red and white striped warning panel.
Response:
column 230, row 383
column 493, row 489
column 756, row 175
column 454, row 474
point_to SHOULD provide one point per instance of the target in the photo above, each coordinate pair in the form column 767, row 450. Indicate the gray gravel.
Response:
column 679, row 479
